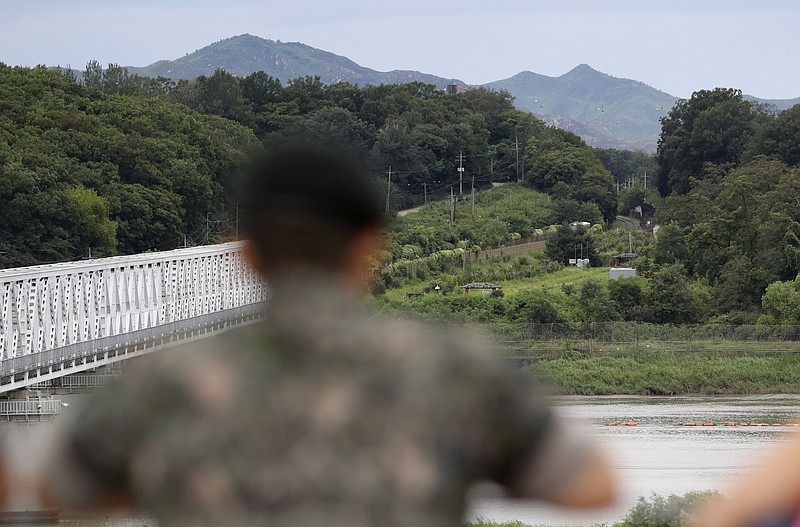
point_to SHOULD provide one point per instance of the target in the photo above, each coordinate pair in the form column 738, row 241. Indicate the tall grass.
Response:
column 669, row 373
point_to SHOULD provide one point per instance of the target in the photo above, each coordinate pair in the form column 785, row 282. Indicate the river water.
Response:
column 658, row 455
column 661, row 455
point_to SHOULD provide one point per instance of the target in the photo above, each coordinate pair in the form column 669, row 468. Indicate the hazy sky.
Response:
column 677, row 46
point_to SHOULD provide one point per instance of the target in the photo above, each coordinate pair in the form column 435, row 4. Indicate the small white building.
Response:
column 622, row 272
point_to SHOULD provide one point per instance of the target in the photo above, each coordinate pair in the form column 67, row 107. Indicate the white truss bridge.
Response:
column 64, row 318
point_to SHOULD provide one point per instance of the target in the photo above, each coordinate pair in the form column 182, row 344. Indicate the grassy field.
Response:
column 550, row 282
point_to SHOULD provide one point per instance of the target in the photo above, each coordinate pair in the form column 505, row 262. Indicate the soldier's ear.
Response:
column 253, row 257
column 366, row 244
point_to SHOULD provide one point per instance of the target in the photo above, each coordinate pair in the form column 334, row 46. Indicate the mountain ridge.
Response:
column 245, row 54
column 606, row 111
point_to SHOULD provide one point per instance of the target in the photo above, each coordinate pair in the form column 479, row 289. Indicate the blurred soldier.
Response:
column 323, row 413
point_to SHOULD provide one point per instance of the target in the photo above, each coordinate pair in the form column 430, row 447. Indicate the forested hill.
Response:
column 246, row 54
column 84, row 172
column 120, row 163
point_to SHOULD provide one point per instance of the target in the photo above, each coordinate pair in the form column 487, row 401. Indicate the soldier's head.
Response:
column 306, row 207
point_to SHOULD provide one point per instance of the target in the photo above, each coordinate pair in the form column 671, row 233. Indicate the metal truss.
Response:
column 52, row 317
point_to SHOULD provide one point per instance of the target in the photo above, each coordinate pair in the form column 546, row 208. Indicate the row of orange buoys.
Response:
column 691, row 423
column 730, row 423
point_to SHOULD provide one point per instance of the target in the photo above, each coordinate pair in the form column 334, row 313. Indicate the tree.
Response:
column 628, row 295
column 595, row 303
column 336, row 128
column 712, row 127
column 740, row 285
column 670, row 245
column 116, row 80
column 93, row 75
column 671, row 298
column 781, row 137
column 221, row 95
column 93, row 227
column 261, row 90
column 567, row 244
column 781, row 303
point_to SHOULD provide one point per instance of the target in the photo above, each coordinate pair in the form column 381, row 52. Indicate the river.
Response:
column 658, row 455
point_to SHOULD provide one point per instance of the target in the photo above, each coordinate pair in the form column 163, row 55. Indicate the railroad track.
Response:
column 628, row 223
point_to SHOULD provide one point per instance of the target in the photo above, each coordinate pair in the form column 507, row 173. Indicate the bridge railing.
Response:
column 41, row 407
column 52, row 306
column 40, row 367
column 65, row 318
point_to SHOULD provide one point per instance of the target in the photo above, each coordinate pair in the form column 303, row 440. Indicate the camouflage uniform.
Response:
column 323, row 414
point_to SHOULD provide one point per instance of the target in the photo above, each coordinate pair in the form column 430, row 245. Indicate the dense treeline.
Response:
column 729, row 170
column 117, row 163
column 422, row 133
column 86, row 173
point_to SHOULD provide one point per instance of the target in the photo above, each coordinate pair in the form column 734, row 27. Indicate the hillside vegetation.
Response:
column 85, row 172
column 120, row 163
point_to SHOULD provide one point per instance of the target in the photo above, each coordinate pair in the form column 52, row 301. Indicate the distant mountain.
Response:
column 245, row 54
column 606, row 111
column 779, row 104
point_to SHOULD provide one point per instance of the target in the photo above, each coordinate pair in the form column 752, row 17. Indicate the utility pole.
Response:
column 388, row 189
column 645, row 178
column 473, row 195
column 452, row 206
column 460, row 173
column 425, row 188
column 516, row 147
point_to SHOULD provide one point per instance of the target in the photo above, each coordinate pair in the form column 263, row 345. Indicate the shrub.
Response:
column 658, row 511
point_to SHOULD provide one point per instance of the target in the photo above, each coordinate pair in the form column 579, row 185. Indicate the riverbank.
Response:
column 648, row 372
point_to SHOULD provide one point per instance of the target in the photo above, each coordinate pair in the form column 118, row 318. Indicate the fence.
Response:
column 533, row 244
column 29, row 409
column 537, row 339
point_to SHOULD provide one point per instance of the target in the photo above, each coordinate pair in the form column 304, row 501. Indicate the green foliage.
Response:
column 672, row 299
column 660, row 511
column 559, row 164
column 712, row 127
column 501, row 215
column 781, row 303
column 627, row 167
column 643, row 371
column 655, row 511
column 568, row 244
column 629, row 296
column 594, row 300
column 87, row 169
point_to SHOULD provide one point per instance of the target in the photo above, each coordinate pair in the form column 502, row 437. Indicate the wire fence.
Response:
column 515, row 249
column 537, row 339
